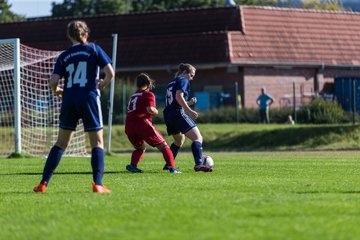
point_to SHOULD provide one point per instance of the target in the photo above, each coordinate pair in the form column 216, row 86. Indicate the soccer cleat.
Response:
column 174, row 170
column 166, row 167
column 133, row 169
column 100, row 188
column 203, row 168
column 41, row 187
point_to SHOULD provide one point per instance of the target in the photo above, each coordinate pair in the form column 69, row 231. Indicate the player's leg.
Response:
column 133, row 131
column 172, row 129
column 54, row 157
column 179, row 140
column 97, row 160
column 97, row 155
column 90, row 112
column 136, row 157
column 167, row 154
column 196, row 148
column 168, row 157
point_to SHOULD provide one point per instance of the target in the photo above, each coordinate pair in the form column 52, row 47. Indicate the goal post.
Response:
column 16, row 76
column 29, row 111
column 112, row 89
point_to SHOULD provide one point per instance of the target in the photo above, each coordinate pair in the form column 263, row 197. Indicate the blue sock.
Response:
column 52, row 162
column 196, row 148
column 97, row 164
column 174, row 149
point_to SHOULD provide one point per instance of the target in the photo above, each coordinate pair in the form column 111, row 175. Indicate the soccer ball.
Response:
column 208, row 161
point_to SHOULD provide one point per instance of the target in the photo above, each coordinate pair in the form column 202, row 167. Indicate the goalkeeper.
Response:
column 79, row 66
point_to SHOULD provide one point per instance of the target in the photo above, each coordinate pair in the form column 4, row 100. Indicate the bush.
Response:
column 318, row 111
column 278, row 115
column 218, row 115
column 228, row 115
column 321, row 111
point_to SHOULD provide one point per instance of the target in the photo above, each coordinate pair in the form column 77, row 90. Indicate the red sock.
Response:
column 168, row 156
column 137, row 156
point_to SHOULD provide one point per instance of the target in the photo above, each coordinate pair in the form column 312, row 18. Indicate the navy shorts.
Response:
column 178, row 121
column 83, row 105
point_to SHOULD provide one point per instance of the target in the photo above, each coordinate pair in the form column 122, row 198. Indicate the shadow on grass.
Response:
column 321, row 192
column 59, row 173
column 285, row 138
column 81, row 173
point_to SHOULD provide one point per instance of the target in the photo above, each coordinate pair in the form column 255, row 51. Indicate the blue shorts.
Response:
column 81, row 104
column 178, row 121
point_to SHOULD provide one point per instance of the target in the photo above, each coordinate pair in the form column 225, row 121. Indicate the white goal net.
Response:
column 29, row 122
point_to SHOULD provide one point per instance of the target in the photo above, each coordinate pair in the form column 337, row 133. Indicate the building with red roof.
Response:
column 253, row 46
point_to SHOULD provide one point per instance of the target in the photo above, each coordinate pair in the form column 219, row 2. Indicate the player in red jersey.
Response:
column 139, row 127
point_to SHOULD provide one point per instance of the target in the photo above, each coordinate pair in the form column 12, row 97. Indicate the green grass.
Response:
column 250, row 137
column 250, row 195
column 242, row 137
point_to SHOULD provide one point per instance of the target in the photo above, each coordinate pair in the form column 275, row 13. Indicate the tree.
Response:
column 6, row 15
column 258, row 2
column 92, row 7
column 148, row 5
column 331, row 5
column 325, row 5
column 80, row 8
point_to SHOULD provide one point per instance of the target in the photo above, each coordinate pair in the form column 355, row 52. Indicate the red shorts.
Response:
column 141, row 130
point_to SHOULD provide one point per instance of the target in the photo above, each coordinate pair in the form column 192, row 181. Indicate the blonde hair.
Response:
column 77, row 30
column 187, row 67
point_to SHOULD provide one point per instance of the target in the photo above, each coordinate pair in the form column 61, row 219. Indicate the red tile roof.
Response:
column 245, row 35
column 283, row 35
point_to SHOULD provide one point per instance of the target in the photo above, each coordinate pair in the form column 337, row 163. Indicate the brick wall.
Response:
column 279, row 83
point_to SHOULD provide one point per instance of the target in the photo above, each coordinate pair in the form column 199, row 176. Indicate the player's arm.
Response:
column 53, row 83
column 152, row 111
column 192, row 101
column 179, row 96
column 151, row 103
column 109, row 75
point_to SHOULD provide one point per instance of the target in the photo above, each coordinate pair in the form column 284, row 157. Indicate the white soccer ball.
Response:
column 208, row 161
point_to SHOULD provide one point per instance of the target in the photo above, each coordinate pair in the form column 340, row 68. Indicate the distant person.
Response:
column 139, row 127
column 179, row 117
column 80, row 95
column 264, row 102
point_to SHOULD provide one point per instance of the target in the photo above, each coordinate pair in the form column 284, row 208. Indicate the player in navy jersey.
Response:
column 79, row 66
column 139, row 127
column 179, row 117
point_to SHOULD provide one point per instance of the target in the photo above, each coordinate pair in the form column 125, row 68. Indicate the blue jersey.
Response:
column 79, row 65
column 176, row 119
column 179, row 83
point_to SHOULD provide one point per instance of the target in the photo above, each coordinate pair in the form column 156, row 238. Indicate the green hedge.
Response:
column 321, row 111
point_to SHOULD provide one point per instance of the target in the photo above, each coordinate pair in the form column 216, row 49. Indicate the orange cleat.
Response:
column 100, row 189
column 41, row 187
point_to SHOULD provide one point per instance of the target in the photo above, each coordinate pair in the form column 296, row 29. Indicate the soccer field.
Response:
column 250, row 195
